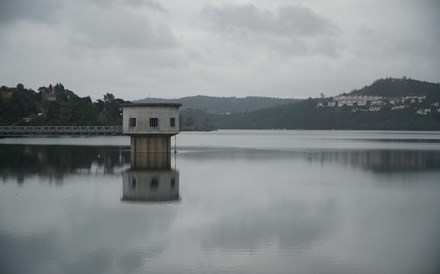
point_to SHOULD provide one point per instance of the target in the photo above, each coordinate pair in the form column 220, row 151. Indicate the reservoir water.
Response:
column 229, row 202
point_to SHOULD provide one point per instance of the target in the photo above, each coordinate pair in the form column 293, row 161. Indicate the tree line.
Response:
column 54, row 105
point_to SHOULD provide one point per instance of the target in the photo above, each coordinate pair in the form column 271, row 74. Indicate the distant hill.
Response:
column 393, row 87
column 423, row 114
column 306, row 115
column 223, row 105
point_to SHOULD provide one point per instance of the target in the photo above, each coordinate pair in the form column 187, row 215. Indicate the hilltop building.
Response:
column 360, row 100
column 373, row 103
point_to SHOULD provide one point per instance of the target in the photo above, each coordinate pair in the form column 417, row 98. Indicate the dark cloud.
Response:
column 116, row 28
column 40, row 11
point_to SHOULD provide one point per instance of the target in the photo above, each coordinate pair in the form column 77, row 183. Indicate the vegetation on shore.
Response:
column 56, row 106
column 394, row 109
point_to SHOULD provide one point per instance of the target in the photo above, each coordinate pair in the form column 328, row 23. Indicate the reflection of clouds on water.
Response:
column 81, row 226
column 287, row 224
column 256, row 205
column 37, row 250
column 40, row 254
column 244, row 210
column 132, row 260
column 96, row 262
column 324, row 217
column 389, row 230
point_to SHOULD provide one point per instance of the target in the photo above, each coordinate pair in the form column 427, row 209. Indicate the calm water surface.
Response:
column 228, row 202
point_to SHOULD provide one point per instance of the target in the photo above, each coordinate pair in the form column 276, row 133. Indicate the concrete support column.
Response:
column 151, row 151
column 151, row 144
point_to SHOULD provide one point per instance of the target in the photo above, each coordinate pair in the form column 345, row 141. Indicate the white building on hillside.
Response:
column 360, row 100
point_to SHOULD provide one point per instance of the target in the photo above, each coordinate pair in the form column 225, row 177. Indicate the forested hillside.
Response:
column 56, row 105
column 306, row 115
column 394, row 87
column 400, row 104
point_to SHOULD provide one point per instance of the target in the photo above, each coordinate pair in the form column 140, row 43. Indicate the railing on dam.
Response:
column 23, row 131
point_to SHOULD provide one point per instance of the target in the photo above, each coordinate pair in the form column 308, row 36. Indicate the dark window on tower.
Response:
column 132, row 122
column 154, row 122
column 154, row 183
column 172, row 122
column 133, row 182
column 173, row 183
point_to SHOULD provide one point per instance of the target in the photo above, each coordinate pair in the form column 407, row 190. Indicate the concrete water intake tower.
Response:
column 150, row 127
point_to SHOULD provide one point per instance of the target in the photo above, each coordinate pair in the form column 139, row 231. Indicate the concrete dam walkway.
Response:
column 28, row 131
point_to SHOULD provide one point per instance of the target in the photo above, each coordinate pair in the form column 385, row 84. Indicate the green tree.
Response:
column 109, row 97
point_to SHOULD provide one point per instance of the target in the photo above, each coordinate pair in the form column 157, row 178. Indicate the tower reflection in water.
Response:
column 150, row 179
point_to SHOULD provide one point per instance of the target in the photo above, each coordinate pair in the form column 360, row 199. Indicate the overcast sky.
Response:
column 173, row 48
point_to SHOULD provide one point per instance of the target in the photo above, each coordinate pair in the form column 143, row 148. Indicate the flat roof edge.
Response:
column 152, row 105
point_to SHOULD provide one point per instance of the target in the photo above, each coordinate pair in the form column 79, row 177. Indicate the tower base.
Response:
column 151, row 151
column 151, row 144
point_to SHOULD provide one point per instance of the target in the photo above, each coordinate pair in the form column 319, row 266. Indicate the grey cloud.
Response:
column 120, row 29
column 329, row 47
column 40, row 11
column 289, row 21
column 231, row 54
column 244, row 18
column 292, row 29
column 128, row 3
column 148, row 3
column 302, row 21
column 365, row 31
